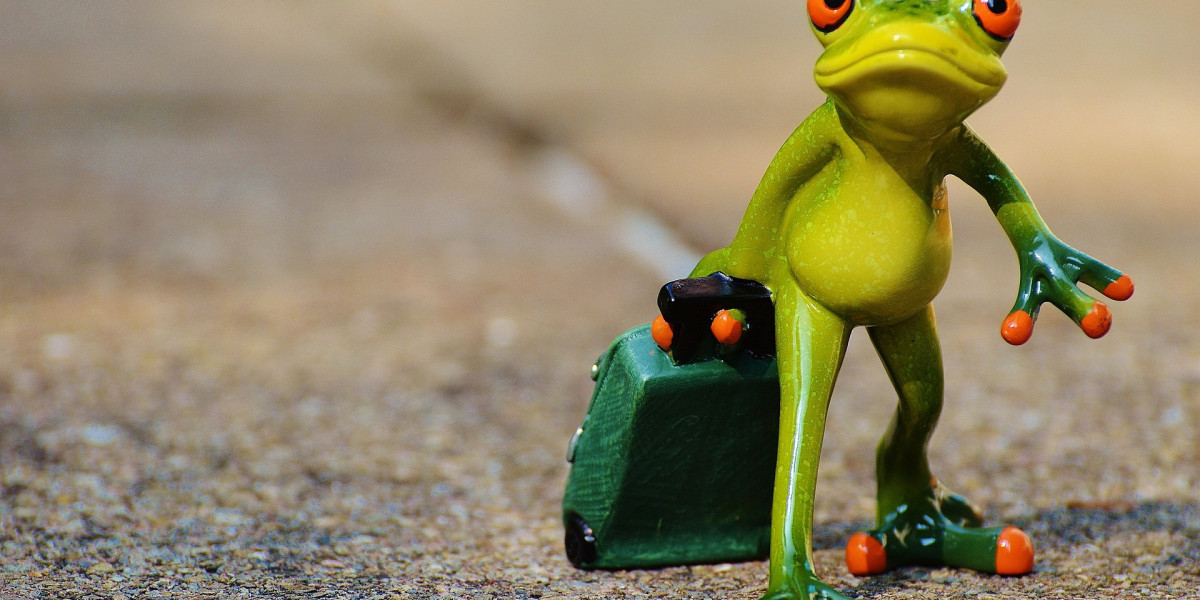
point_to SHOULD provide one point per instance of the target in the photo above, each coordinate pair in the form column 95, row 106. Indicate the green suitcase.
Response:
column 675, row 460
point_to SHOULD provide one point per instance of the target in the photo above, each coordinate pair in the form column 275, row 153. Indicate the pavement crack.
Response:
column 559, row 175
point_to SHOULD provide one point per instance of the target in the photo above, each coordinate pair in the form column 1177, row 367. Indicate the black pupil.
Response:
column 836, row 4
column 997, row 6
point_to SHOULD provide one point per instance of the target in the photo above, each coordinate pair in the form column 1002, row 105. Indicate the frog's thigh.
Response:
column 912, row 356
column 810, row 344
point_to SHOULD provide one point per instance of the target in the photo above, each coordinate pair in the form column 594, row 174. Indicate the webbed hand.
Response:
column 1051, row 272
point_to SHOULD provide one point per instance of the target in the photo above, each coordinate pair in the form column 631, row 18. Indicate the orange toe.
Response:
column 865, row 555
column 1014, row 552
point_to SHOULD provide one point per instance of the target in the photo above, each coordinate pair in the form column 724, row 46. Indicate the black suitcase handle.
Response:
column 689, row 306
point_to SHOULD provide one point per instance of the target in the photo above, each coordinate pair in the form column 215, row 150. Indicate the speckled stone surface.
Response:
column 281, row 318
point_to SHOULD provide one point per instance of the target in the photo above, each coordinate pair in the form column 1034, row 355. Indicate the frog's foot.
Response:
column 920, row 533
column 805, row 587
column 956, row 508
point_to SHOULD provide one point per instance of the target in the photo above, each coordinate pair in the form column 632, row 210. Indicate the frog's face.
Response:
column 912, row 69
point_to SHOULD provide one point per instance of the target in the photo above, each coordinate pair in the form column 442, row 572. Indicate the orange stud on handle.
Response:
column 1014, row 552
column 865, row 555
column 1121, row 289
column 726, row 328
column 660, row 330
column 1017, row 328
column 1097, row 321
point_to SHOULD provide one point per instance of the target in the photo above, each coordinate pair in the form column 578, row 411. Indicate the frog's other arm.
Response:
column 1050, row 270
column 757, row 244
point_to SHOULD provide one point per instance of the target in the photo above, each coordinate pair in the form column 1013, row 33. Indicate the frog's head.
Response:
column 912, row 69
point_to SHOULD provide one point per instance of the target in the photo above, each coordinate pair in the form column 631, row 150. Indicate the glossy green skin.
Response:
column 849, row 227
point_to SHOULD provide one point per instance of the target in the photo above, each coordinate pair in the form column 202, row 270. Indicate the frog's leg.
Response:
column 811, row 342
column 912, row 356
column 919, row 521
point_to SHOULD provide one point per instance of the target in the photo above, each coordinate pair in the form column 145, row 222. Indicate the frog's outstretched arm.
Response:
column 810, row 147
column 1050, row 269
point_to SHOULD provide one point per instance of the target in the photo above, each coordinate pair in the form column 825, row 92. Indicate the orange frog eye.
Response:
column 999, row 18
column 828, row 15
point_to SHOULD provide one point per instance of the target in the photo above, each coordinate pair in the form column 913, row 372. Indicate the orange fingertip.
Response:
column 726, row 328
column 1014, row 552
column 660, row 330
column 1121, row 289
column 865, row 555
column 1097, row 321
column 1017, row 328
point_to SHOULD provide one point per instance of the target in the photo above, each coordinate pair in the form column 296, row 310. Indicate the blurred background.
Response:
column 301, row 296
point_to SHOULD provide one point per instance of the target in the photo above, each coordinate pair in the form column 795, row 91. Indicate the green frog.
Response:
column 849, row 227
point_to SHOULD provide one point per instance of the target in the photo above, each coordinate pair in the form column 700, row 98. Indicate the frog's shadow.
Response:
column 1060, row 528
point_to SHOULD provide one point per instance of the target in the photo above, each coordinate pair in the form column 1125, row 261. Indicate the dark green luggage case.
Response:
column 674, row 463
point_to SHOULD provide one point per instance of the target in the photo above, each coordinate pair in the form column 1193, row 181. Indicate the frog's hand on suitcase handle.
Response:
column 729, row 309
column 727, row 327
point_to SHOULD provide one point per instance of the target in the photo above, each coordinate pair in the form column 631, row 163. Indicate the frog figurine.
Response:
column 849, row 227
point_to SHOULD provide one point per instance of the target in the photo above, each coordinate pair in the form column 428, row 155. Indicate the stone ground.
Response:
column 298, row 299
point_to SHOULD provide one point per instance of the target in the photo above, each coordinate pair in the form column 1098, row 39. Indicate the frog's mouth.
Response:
column 912, row 79
column 921, row 65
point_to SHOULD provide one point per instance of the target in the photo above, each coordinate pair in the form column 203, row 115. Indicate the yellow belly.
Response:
column 868, row 247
